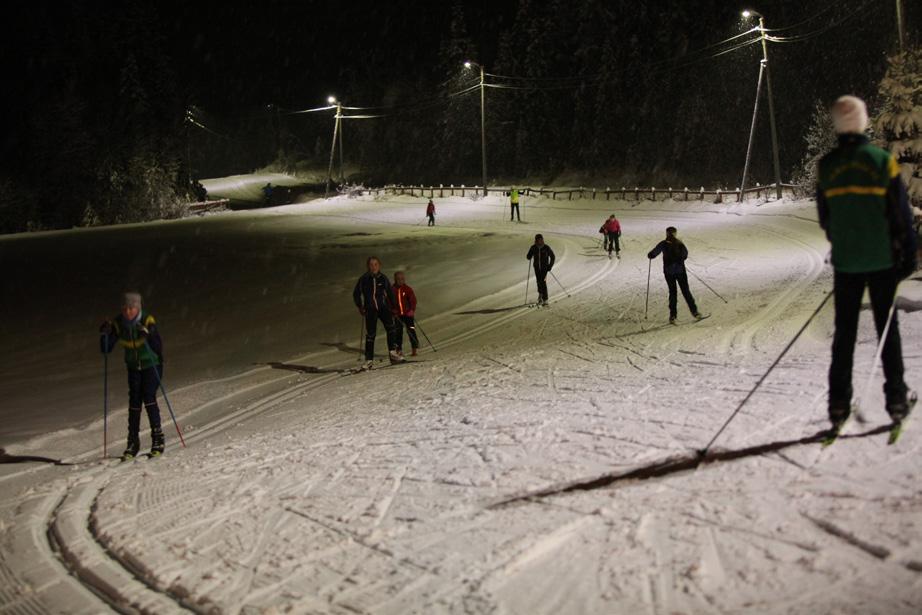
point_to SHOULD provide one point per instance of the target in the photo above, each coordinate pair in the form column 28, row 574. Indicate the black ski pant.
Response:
column 431, row 220
column 514, row 212
column 406, row 321
column 848, row 289
column 142, row 388
column 613, row 241
column 372, row 317
column 680, row 279
column 541, row 280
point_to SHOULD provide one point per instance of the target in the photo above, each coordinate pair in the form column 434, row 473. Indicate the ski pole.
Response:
column 167, row 399
column 706, row 284
column 361, row 335
column 703, row 452
column 527, row 278
column 418, row 326
column 558, row 282
column 105, row 397
column 877, row 355
column 647, row 304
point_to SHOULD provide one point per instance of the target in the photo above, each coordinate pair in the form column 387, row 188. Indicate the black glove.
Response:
column 107, row 328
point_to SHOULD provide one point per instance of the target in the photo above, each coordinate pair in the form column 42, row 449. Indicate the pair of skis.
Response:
column 895, row 431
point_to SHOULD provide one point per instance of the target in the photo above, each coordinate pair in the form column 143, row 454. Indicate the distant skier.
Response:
column 374, row 297
column 864, row 209
column 542, row 259
column 405, row 310
column 136, row 331
column 267, row 193
column 430, row 212
column 674, row 254
column 611, row 233
column 514, row 205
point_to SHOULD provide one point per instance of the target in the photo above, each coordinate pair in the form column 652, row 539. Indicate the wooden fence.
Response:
column 624, row 194
column 205, row 206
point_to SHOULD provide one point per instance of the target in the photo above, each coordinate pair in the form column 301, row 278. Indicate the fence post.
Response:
column 719, row 198
column 653, row 193
column 686, row 193
column 462, row 189
column 593, row 194
column 607, row 193
column 670, row 192
column 636, row 193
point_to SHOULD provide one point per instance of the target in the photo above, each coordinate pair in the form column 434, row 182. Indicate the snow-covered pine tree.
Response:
column 819, row 139
column 899, row 123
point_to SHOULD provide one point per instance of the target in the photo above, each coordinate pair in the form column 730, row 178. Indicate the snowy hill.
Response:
column 492, row 476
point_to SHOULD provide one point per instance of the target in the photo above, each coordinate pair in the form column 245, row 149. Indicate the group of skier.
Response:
column 392, row 304
column 863, row 208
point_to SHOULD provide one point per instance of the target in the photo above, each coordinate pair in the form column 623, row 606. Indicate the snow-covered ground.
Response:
column 542, row 461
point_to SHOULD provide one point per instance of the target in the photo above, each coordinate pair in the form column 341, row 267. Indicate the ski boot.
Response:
column 899, row 405
column 414, row 353
column 131, row 451
column 838, row 414
column 156, row 442
column 672, row 320
column 396, row 357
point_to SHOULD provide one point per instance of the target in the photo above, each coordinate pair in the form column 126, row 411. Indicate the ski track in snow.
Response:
column 371, row 493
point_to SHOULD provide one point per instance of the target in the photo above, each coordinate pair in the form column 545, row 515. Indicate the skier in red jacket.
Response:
column 405, row 310
column 430, row 212
column 611, row 230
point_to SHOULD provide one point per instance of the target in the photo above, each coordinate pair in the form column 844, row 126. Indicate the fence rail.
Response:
column 626, row 194
column 204, row 206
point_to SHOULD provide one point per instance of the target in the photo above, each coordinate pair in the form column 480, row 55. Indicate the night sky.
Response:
column 110, row 83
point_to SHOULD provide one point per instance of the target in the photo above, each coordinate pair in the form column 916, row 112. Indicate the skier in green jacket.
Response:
column 864, row 209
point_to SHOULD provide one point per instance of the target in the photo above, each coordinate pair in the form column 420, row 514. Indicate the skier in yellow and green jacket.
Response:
column 864, row 209
column 135, row 330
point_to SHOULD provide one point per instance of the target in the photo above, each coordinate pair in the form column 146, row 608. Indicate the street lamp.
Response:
column 771, row 107
column 483, row 124
column 337, row 132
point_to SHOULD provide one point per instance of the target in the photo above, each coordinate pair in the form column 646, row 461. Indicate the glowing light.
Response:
column 467, row 64
column 747, row 13
column 331, row 100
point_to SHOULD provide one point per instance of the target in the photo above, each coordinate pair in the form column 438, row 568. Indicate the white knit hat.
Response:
column 131, row 299
column 849, row 114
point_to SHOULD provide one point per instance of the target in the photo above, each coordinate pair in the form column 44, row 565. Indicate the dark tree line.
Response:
column 604, row 92
column 93, row 128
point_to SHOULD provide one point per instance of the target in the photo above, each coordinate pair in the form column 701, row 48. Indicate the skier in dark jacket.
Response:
column 674, row 254
column 542, row 259
column 430, row 212
column 374, row 297
column 864, row 209
column 135, row 330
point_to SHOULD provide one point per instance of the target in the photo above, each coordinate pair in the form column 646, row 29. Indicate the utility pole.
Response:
column 899, row 23
column 336, row 134
column 483, row 125
column 339, row 113
column 752, row 131
column 771, row 109
column 483, row 132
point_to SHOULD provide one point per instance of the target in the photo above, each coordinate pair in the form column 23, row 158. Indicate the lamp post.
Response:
column 483, row 125
column 771, row 104
column 337, row 132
